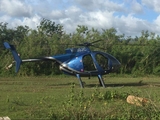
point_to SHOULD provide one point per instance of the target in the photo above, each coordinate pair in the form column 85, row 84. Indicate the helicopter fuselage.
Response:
column 84, row 62
column 76, row 61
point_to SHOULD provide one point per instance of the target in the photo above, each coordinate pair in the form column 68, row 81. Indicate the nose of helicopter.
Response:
column 116, row 66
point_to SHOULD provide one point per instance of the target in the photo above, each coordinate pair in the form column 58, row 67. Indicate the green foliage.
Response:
column 81, row 107
column 61, row 98
column 138, row 56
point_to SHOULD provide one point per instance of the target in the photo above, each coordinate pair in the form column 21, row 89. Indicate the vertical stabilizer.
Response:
column 15, row 55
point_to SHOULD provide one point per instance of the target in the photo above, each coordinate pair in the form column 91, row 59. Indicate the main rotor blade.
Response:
column 98, row 47
column 95, row 41
column 88, row 43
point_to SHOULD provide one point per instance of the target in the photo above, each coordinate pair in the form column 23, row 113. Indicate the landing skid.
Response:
column 101, row 81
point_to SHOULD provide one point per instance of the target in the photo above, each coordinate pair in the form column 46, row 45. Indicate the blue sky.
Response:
column 128, row 17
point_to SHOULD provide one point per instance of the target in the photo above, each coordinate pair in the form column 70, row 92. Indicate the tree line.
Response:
column 138, row 55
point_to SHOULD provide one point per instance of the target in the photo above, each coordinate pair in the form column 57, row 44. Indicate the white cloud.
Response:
column 157, row 21
column 56, row 14
column 113, row 7
column 136, row 7
column 152, row 4
column 5, row 18
column 127, row 16
column 131, row 26
column 100, row 19
column 156, row 27
column 73, row 11
column 93, row 5
column 32, row 22
column 15, row 8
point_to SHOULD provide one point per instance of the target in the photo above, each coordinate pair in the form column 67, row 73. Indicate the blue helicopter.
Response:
column 80, row 62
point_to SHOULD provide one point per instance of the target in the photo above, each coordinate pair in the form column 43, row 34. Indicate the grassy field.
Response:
column 61, row 97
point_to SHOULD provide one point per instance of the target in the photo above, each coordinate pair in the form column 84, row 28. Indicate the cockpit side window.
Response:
column 88, row 63
column 102, row 61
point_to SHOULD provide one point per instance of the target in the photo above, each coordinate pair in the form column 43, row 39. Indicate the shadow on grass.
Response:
column 107, row 85
column 133, row 84
column 117, row 85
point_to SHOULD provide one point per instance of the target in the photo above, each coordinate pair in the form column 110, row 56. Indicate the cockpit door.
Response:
column 88, row 64
column 102, row 61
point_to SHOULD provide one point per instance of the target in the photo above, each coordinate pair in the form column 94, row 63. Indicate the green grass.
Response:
column 62, row 97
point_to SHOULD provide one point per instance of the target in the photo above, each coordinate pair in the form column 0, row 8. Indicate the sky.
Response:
column 128, row 17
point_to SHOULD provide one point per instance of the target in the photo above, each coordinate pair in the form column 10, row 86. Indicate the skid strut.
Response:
column 80, row 81
column 101, row 81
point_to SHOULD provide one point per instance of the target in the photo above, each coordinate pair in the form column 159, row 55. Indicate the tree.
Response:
column 49, row 28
